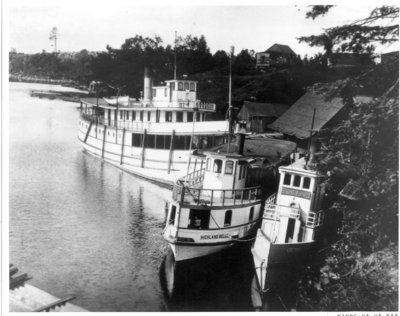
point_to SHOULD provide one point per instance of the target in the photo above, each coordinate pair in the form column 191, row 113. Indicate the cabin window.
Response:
column 217, row 166
column 296, row 181
column 208, row 164
column 148, row 116
column 204, row 116
column 121, row 114
column 287, row 179
column 198, row 117
column 240, row 172
column 306, row 183
column 172, row 86
column 228, row 218
column 136, row 140
column 190, row 116
column 154, row 92
column 172, row 215
column 168, row 116
column 180, row 86
column 150, row 141
column 127, row 115
column 251, row 214
column 199, row 219
column 141, row 116
column 186, row 86
column 192, row 86
column 133, row 115
column 229, row 167
column 179, row 116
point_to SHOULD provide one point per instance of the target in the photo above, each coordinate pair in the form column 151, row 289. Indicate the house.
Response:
column 257, row 116
column 297, row 121
column 336, row 60
column 276, row 55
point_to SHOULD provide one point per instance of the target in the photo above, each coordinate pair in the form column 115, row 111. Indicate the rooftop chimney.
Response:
column 147, row 95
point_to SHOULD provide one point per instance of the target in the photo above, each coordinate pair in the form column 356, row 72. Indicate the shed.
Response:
column 297, row 120
column 258, row 115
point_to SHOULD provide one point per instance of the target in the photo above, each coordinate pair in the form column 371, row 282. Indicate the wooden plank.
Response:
column 143, row 148
column 171, row 149
column 122, row 146
column 104, row 141
column 88, row 131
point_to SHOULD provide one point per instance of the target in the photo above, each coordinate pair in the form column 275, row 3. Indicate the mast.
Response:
column 175, row 57
column 230, row 98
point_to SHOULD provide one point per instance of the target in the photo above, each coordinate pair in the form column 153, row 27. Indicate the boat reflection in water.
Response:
column 220, row 282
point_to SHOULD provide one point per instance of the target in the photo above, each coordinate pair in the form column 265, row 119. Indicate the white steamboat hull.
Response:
column 266, row 254
column 154, row 166
column 186, row 252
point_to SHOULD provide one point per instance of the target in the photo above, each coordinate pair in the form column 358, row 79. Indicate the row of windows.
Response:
column 182, row 86
column 200, row 219
column 297, row 181
column 180, row 142
column 125, row 115
column 217, row 167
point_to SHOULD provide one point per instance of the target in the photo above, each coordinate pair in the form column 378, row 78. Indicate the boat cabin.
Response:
column 297, row 210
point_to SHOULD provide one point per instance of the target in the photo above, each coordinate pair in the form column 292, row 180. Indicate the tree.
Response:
column 360, row 36
column 358, row 271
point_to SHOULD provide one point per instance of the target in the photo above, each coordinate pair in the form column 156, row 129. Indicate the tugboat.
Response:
column 214, row 207
column 291, row 220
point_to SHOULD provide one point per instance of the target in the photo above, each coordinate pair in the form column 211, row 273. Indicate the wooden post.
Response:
column 171, row 149
column 88, row 131
column 143, row 147
column 122, row 146
column 104, row 141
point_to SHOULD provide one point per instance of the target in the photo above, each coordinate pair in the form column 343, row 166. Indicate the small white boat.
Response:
column 289, row 223
column 220, row 200
column 212, row 209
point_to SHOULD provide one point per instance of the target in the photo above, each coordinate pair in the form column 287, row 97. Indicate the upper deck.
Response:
column 175, row 95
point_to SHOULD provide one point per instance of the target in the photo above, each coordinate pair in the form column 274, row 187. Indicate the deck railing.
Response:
column 310, row 219
column 190, row 195
column 193, row 178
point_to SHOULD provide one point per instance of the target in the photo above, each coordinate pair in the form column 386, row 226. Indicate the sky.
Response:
column 94, row 25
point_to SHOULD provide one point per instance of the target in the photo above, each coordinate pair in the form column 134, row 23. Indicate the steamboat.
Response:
column 151, row 137
column 217, row 205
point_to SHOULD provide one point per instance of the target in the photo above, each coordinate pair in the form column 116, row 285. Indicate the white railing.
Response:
column 310, row 219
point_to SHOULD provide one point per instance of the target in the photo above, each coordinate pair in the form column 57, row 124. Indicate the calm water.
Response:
column 83, row 227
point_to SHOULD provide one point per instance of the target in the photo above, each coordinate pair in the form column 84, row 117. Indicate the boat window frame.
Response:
column 295, row 178
column 168, row 116
column 228, row 216
column 208, row 164
column 148, row 116
column 179, row 116
column 227, row 163
column 217, row 168
column 172, row 215
column 180, row 86
column 287, row 176
column 251, row 213
column 306, row 179
column 192, row 87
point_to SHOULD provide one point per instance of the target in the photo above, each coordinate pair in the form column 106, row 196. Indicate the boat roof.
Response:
column 300, row 166
column 255, row 148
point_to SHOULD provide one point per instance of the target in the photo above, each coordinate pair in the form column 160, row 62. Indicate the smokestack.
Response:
column 240, row 136
column 147, row 97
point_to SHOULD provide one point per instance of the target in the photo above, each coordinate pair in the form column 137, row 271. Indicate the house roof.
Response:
column 297, row 120
column 251, row 109
column 280, row 48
